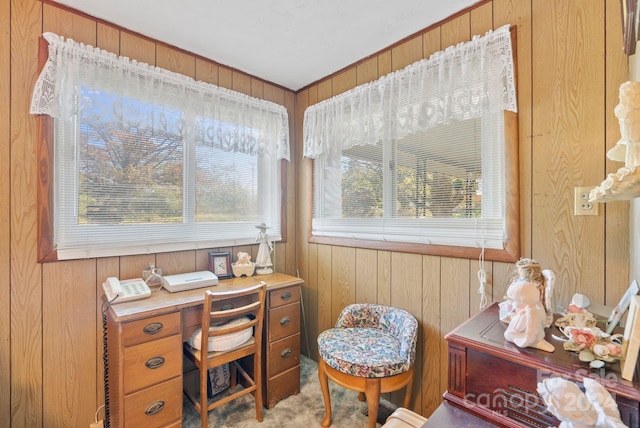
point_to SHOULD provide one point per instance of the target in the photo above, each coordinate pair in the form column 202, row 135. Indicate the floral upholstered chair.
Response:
column 372, row 350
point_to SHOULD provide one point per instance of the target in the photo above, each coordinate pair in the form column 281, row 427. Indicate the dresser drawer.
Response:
column 152, row 362
column 280, row 387
column 284, row 354
column 283, row 321
column 157, row 406
column 151, row 328
column 284, row 296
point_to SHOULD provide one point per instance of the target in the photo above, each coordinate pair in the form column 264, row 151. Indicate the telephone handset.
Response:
column 124, row 291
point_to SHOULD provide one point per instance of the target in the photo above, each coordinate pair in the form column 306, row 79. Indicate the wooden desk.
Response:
column 144, row 350
column 497, row 380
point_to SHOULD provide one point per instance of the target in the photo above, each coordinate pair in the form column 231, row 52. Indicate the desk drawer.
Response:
column 284, row 296
column 157, row 406
column 152, row 362
column 284, row 321
column 281, row 386
column 284, row 354
column 151, row 328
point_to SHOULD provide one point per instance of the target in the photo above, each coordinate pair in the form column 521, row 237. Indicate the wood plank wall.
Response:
column 50, row 328
column 570, row 65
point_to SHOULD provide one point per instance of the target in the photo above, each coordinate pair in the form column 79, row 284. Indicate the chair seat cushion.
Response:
column 363, row 352
column 226, row 341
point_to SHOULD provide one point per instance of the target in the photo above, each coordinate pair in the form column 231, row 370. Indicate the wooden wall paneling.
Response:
column 568, row 116
column 5, row 215
column 225, row 78
column 68, row 24
column 105, row 267
column 344, row 81
column 108, row 38
column 280, row 96
column 26, row 274
column 384, row 278
column 324, row 278
column 406, row 293
column 132, row 266
column 406, row 53
column 454, row 301
column 384, row 63
column 312, row 308
column 431, row 42
column 366, row 275
column 432, row 385
column 456, row 31
column 367, row 71
column 481, row 19
column 616, row 214
column 290, row 246
column 206, row 71
column 519, row 14
column 343, row 279
column 241, row 82
column 69, row 367
column 502, row 273
column 175, row 60
column 179, row 261
column 325, row 91
column 257, row 89
column 138, row 48
column 202, row 259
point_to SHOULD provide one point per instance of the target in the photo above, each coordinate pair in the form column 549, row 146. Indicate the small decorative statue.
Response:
column 576, row 409
column 244, row 265
column 529, row 300
column 263, row 260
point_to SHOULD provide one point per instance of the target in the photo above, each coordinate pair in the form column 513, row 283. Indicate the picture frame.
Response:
column 631, row 340
column 622, row 306
column 220, row 264
column 629, row 10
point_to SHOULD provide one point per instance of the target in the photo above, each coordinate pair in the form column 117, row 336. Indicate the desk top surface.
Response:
column 163, row 301
column 485, row 332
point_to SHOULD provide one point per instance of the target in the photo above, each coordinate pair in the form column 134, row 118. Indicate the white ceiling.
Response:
column 291, row 43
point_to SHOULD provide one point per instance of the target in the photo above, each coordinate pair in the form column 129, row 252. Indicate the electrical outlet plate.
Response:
column 581, row 203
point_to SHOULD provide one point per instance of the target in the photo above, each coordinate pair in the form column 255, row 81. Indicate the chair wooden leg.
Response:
column 204, row 411
column 372, row 391
column 408, row 391
column 257, row 378
column 324, row 385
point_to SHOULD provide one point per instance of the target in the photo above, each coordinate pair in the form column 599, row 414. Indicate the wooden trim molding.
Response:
column 46, row 251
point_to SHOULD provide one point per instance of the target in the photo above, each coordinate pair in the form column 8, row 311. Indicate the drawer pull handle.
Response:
column 286, row 295
column 153, row 328
column 285, row 321
column 227, row 307
column 286, row 353
column 154, row 363
column 154, row 408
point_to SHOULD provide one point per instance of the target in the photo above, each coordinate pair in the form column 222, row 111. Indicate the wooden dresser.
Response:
column 144, row 350
column 497, row 381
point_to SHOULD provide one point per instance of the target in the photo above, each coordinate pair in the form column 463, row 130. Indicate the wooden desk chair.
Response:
column 371, row 350
column 219, row 308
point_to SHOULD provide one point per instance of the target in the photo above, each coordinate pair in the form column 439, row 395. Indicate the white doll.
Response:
column 528, row 299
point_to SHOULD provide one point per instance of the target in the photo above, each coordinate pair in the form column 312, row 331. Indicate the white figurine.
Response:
column 263, row 259
column 529, row 297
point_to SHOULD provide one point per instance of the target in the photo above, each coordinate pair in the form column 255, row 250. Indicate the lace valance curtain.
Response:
column 225, row 119
column 459, row 83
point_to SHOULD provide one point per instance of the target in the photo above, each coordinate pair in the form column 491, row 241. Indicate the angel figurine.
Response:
column 263, row 259
column 529, row 300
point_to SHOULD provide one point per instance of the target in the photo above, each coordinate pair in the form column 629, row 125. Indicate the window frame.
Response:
column 511, row 250
column 46, row 251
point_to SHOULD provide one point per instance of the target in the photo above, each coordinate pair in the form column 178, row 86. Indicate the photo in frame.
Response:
column 622, row 306
column 631, row 340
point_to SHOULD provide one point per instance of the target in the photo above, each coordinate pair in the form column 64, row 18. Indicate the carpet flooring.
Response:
column 302, row 410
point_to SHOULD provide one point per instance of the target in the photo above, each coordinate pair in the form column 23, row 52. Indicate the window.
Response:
column 421, row 160
column 175, row 165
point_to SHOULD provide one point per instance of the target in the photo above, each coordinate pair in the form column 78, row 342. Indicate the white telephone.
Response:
column 124, row 291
